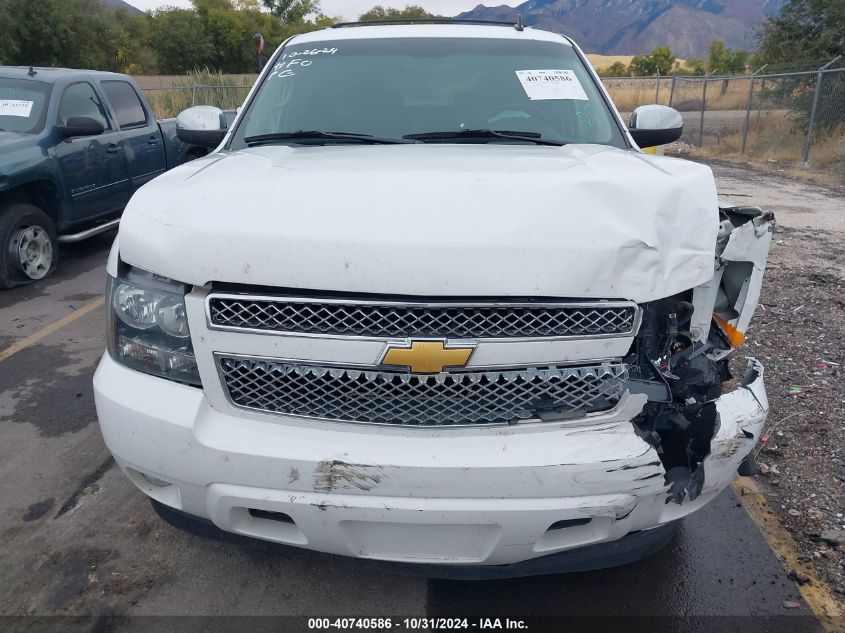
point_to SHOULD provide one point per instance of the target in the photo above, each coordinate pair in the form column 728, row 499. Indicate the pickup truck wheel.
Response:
column 30, row 249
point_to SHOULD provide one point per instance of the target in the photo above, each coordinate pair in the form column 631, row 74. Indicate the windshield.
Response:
column 399, row 87
column 23, row 105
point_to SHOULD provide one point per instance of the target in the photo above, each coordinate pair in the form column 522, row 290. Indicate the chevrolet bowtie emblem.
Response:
column 427, row 357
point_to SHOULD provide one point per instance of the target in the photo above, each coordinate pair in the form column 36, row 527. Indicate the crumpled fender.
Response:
column 732, row 295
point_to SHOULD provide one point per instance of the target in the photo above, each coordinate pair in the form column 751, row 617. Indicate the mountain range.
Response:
column 630, row 27
column 120, row 4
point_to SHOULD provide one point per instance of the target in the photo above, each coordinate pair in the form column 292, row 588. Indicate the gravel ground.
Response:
column 798, row 333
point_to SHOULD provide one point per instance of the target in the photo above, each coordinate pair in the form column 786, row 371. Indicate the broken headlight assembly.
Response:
column 148, row 326
column 679, row 359
column 682, row 382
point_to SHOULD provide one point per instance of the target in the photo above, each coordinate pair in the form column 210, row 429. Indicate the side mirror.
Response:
column 653, row 125
column 80, row 126
column 201, row 125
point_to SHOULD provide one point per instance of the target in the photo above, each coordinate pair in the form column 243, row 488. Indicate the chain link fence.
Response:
column 168, row 102
column 793, row 117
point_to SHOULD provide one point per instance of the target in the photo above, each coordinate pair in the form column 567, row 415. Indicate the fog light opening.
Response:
column 280, row 517
column 569, row 523
column 162, row 491
column 155, row 482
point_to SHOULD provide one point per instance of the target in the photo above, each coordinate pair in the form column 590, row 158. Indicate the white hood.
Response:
column 431, row 220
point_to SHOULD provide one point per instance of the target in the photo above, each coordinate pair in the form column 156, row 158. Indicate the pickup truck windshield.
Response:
column 23, row 105
column 432, row 90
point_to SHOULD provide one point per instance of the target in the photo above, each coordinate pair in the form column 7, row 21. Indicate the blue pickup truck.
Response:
column 74, row 146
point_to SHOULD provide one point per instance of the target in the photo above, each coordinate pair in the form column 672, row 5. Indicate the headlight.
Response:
column 148, row 327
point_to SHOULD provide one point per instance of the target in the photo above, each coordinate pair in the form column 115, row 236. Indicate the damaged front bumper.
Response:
column 463, row 496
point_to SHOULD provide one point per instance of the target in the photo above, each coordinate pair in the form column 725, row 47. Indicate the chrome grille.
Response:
column 445, row 320
column 460, row 398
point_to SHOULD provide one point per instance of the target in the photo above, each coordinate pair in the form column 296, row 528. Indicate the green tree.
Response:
column 128, row 41
column 807, row 33
column 217, row 34
column 255, row 21
column 804, row 31
column 180, row 41
column 697, row 66
column 660, row 60
column 722, row 60
column 616, row 69
column 226, row 32
column 410, row 12
column 292, row 11
column 58, row 32
column 8, row 48
column 717, row 56
column 322, row 21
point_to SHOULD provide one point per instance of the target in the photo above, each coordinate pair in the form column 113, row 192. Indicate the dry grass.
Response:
column 775, row 138
column 627, row 94
column 774, row 135
column 600, row 62
column 151, row 82
column 724, row 94
column 728, row 94
column 202, row 87
column 827, row 150
column 771, row 137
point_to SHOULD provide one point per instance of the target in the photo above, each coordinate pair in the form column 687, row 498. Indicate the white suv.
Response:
column 428, row 301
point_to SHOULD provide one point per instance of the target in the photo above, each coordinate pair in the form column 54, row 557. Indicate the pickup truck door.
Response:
column 145, row 155
column 93, row 167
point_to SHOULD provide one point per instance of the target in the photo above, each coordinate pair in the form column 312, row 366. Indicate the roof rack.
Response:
column 343, row 25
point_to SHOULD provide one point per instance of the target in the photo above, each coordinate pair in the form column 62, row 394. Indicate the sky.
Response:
column 351, row 9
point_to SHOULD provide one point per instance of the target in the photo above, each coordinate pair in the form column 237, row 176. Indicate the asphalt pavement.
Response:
column 78, row 538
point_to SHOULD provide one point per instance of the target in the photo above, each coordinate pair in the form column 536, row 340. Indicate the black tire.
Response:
column 748, row 466
column 19, row 223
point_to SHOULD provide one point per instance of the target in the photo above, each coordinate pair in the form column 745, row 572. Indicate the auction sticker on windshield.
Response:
column 14, row 107
column 541, row 85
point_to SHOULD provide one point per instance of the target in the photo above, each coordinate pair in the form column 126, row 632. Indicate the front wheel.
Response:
column 30, row 248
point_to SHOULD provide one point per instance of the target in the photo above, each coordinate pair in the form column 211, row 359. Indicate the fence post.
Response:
column 748, row 109
column 703, row 106
column 672, row 88
column 815, row 108
column 657, row 93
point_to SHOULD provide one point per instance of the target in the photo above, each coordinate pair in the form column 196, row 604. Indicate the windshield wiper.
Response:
column 317, row 135
column 528, row 137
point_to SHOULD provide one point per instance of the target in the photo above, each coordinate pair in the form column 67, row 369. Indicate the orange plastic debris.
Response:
column 736, row 337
